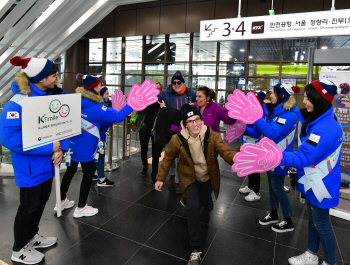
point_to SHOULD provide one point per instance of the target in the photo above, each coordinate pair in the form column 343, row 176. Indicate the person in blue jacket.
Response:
column 253, row 188
column 176, row 94
column 103, row 181
column 84, row 147
column 278, row 124
column 35, row 168
column 317, row 160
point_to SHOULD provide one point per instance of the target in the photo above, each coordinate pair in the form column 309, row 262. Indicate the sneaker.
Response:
column 304, row 259
column 183, row 201
column 268, row 220
column 252, row 197
column 105, row 183
column 194, row 258
column 95, row 177
column 282, row 227
column 177, row 188
column 245, row 190
column 40, row 241
column 27, row 255
column 66, row 204
column 144, row 172
column 171, row 183
column 86, row 211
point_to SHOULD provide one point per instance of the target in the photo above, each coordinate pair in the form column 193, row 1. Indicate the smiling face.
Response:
column 50, row 81
column 177, row 85
column 55, row 105
column 64, row 111
column 106, row 95
column 194, row 125
column 309, row 106
column 202, row 99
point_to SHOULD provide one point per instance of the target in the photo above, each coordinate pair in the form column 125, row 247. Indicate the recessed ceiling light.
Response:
column 250, row 57
column 324, row 48
column 242, row 50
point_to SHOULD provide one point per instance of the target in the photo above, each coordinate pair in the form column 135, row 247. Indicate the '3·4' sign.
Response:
column 240, row 28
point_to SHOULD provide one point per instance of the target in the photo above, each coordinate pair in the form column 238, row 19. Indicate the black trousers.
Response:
column 254, row 182
column 144, row 140
column 30, row 210
column 88, row 174
column 197, row 195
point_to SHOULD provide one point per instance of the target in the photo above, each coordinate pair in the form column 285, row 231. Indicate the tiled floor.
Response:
column 138, row 226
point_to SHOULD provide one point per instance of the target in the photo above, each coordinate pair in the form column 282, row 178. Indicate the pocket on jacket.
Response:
column 40, row 165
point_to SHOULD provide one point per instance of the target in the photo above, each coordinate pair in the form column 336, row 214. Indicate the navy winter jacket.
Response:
column 174, row 99
column 318, row 145
column 95, row 112
column 34, row 166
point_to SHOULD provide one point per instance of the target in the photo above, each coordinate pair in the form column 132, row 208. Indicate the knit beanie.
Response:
column 260, row 96
column 178, row 76
column 103, row 90
column 35, row 68
column 326, row 88
column 89, row 81
column 288, row 89
column 188, row 111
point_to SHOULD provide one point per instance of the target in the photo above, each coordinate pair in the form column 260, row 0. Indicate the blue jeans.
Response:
column 278, row 195
column 320, row 230
column 173, row 170
column 100, row 166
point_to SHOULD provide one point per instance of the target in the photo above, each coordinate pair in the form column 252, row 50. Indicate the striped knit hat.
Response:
column 326, row 88
column 35, row 68
column 288, row 89
column 89, row 81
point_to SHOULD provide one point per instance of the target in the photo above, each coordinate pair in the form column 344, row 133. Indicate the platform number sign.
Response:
column 324, row 23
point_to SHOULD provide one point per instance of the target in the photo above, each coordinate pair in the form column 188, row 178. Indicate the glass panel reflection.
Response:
column 262, row 83
column 114, row 49
column 265, row 50
column 95, row 50
column 203, row 69
column 133, row 68
column 179, row 46
column 203, row 51
column 235, row 69
column 208, row 81
column 268, row 69
column 233, row 50
column 133, row 49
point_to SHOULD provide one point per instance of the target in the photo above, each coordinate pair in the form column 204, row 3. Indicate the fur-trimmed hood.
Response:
column 21, row 84
column 290, row 103
column 89, row 95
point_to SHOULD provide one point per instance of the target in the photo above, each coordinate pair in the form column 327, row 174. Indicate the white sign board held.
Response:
column 49, row 119
column 311, row 24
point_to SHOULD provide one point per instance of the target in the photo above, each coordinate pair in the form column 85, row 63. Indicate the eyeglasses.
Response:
column 197, row 120
column 177, row 83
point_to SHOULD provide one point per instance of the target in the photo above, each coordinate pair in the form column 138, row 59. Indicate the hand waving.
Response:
column 142, row 96
column 244, row 107
column 118, row 100
column 256, row 158
column 235, row 130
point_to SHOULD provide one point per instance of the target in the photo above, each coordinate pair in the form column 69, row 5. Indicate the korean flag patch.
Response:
column 12, row 115
column 189, row 114
column 104, row 107
column 313, row 139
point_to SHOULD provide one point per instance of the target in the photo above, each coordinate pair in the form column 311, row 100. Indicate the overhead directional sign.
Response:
column 311, row 24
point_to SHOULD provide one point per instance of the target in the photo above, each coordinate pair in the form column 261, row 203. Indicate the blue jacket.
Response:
column 174, row 99
column 314, row 149
column 251, row 135
column 278, row 126
column 96, row 112
column 34, row 166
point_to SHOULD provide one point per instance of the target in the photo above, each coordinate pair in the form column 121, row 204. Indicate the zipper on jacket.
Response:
column 30, row 168
column 177, row 103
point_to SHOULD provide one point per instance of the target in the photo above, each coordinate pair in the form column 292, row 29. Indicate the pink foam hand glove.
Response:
column 257, row 158
column 235, row 130
column 118, row 100
column 244, row 107
column 142, row 96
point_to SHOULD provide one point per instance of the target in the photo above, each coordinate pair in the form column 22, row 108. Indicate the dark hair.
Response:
column 280, row 99
column 320, row 106
column 53, row 70
column 208, row 92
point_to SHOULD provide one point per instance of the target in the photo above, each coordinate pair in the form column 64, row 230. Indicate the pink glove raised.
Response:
column 244, row 107
column 118, row 100
column 142, row 96
column 257, row 158
column 235, row 130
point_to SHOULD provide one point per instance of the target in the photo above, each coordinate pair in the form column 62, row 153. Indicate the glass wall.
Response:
column 223, row 66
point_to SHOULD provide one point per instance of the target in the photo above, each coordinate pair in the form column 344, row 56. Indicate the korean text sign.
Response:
column 49, row 119
column 323, row 23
